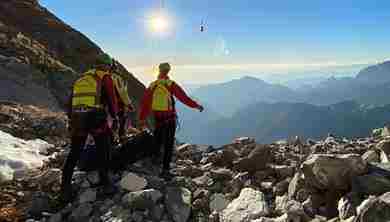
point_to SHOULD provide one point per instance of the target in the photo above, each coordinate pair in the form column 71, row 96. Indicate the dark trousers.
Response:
column 165, row 138
column 122, row 124
column 103, row 146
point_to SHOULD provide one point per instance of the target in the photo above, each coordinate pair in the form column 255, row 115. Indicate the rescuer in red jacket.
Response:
column 159, row 101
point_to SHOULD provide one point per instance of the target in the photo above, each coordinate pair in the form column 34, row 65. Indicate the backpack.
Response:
column 162, row 98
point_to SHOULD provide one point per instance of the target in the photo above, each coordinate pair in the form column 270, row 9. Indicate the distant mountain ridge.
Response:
column 349, row 106
column 376, row 74
column 271, row 122
column 227, row 98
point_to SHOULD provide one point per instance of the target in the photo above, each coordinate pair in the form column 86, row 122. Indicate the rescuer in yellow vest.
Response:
column 125, row 104
column 159, row 100
column 93, row 98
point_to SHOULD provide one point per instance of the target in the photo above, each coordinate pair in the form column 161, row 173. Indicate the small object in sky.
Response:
column 202, row 26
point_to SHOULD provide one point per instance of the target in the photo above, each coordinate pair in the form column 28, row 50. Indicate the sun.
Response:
column 159, row 24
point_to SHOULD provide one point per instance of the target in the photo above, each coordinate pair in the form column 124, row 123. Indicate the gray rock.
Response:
column 225, row 156
column 144, row 199
column 283, row 171
column 385, row 197
column 200, row 193
column 132, row 182
column 373, row 210
column 137, row 216
column 81, row 213
column 218, row 202
column 281, row 187
column 117, row 214
column 308, row 207
column 178, row 203
column 255, row 161
column 324, row 172
column 87, row 196
column 189, row 171
column 85, row 184
column 214, row 217
column 244, row 140
column 384, row 158
column 371, row 156
column 384, row 145
column 296, row 184
column 79, row 177
column 371, row 184
column 346, row 207
column 280, row 204
column 157, row 212
column 93, row 177
column 221, row 174
column 248, row 206
column 204, row 180
column 40, row 203
column 295, row 212
column 56, row 218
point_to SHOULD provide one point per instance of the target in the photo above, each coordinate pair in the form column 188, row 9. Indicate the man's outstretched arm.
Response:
column 181, row 95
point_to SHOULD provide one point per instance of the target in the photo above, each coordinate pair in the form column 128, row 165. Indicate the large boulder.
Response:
column 218, row 202
column 371, row 156
column 178, row 203
column 87, row 196
column 326, row 171
column 384, row 145
column 144, row 199
column 248, row 206
column 225, row 156
column 257, row 160
column 190, row 152
column 373, row 210
column 371, row 184
column 81, row 213
column 132, row 182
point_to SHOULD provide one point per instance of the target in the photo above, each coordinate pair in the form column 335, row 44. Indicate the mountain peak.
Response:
column 251, row 78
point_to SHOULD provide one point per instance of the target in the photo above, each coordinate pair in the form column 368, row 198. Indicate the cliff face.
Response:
column 40, row 56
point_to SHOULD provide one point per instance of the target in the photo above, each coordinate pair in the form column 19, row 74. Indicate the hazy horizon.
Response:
column 242, row 37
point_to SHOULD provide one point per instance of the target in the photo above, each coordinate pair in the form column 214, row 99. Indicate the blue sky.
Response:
column 243, row 37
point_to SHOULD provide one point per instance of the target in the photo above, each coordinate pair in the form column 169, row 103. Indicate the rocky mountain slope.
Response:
column 333, row 180
column 40, row 56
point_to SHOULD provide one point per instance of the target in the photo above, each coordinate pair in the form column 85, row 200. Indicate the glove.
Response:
column 200, row 108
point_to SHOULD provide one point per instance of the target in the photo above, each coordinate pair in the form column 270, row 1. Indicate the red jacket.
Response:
column 176, row 91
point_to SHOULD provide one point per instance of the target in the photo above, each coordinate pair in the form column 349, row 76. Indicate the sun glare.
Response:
column 159, row 24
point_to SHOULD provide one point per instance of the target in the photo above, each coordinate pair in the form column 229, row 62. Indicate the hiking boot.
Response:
column 166, row 175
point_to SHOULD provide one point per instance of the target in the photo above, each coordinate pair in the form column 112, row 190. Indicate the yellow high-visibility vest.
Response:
column 87, row 90
column 162, row 98
column 121, row 88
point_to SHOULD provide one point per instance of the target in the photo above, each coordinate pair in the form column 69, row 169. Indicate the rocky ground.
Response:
column 334, row 180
